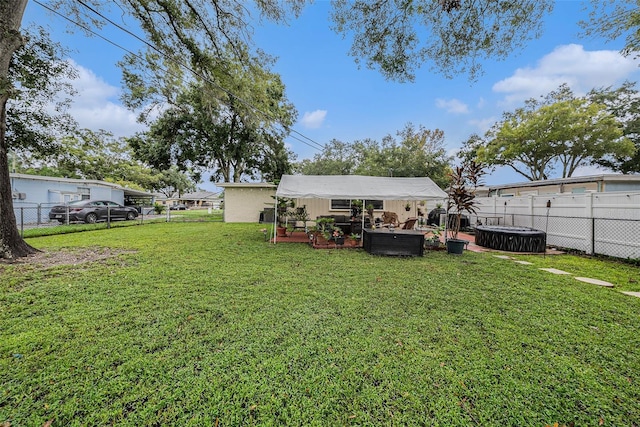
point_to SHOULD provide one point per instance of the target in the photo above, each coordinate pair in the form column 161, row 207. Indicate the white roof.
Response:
column 358, row 187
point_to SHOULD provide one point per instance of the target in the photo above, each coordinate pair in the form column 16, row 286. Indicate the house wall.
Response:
column 51, row 191
column 244, row 204
column 317, row 207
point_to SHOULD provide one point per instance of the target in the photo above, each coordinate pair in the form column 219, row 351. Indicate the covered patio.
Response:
column 355, row 187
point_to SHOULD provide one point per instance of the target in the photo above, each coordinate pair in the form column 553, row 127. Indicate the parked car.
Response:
column 91, row 211
column 178, row 207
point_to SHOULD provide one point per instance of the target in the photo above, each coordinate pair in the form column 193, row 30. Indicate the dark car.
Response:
column 178, row 207
column 91, row 211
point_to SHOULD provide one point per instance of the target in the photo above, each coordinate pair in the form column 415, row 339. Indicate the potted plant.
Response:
column 462, row 193
column 407, row 207
column 355, row 239
column 433, row 241
column 356, row 208
column 323, row 231
column 283, row 212
column 337, row 235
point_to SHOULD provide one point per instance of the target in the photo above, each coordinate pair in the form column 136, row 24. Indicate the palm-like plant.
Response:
column 462, row 193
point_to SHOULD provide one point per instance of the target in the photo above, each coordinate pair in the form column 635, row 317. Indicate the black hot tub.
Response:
column 511, row 239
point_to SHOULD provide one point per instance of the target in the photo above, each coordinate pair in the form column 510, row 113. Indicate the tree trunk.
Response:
column 12, row 245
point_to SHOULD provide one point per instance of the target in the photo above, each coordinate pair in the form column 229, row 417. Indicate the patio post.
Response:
column 275, row 220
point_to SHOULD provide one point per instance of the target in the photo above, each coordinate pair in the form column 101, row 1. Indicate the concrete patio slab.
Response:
column 554, row 271
column 633, row 294
column 503, row 256
column 524, row 262
column 595, row 282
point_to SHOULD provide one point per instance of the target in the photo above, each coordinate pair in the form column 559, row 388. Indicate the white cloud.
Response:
column 452, row 106
column 96, row 105
column 582, row 70
column 483, row 125
column 314, row 119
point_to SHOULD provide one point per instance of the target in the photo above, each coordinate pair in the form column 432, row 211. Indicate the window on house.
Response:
column 84, row 192
column 345, row 204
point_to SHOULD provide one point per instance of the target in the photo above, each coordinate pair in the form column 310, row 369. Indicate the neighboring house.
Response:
column 576, row 185
column 244, row 201
column 197, row 199
column 30, row 190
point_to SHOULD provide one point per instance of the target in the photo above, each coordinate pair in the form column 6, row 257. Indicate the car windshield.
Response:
column 77, row 202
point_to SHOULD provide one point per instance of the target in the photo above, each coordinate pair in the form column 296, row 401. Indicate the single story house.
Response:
column 196, row 199
column 331, row 194
column 30, row 190
column 575, row 184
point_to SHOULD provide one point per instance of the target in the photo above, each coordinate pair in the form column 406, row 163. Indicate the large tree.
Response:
column 454, row 36
column 230, row 118
column 88, row 154
column 415, row 152
column 624, row 104
column 36, row 78
column 613, row 19
column 561, row 131
column 190, row 31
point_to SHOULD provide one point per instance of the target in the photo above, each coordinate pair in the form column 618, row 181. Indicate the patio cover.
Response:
column 358, row 187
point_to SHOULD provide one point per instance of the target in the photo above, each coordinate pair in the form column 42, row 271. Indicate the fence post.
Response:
column 39, row 213
column 108, row 216
column 591, row 235
column 22, row 222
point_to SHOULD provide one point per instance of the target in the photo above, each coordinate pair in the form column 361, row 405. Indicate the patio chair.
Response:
column 389, row 218
column 408, row 224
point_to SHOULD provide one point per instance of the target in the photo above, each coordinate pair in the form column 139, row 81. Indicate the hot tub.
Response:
column 511, row 239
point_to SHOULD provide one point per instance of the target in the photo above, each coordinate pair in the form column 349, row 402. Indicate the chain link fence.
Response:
column 615, row 237
column 33, row 219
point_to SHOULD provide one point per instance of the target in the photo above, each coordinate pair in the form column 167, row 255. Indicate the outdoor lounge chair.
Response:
column 408, row 224
column 389, row 218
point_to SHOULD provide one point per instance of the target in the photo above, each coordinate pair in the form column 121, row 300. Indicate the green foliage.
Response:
column 158, row 208
column 612, row 19
column 416, row 152
column 624, row 104
column 452, row 36
column 95, row 155
column 464, row 180
column 562, row 130
column 167, row 331
column 231, row 119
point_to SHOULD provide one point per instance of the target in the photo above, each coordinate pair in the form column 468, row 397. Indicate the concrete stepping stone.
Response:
column 524, row 262
column 633, row 294
column 503, row 256
column 554, row 271
column 595, row 282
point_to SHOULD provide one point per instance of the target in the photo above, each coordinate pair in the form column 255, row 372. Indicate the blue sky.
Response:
column 337, row 100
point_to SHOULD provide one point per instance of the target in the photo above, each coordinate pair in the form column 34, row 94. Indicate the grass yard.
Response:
column 207, row 324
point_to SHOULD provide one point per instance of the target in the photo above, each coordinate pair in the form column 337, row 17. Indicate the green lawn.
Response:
column 206, row 324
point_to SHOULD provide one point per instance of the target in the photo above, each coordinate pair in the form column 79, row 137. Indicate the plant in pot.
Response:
column 407, row 207
column 462, row 193
column 284, row 212
column 337, row 235
column 356, row 208
column 323, row 231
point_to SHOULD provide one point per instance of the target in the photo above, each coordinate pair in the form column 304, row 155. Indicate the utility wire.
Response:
column 303, row 138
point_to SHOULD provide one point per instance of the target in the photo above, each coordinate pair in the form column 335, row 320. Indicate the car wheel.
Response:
column 131, row 216
column 91, row 218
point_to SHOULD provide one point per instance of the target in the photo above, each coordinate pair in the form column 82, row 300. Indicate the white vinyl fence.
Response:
column 594, row 223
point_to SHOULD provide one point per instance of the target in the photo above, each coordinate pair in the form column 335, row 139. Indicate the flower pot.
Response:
column 339, row 240
column 456, row 246
column 281, row 231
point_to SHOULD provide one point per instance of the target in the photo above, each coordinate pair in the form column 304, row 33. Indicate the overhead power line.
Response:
column 302, row 138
